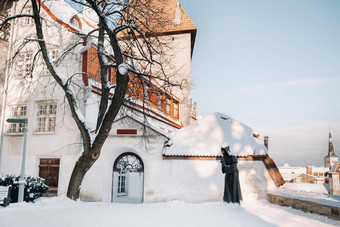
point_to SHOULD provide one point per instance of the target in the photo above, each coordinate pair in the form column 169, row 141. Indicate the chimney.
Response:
column 266, row 139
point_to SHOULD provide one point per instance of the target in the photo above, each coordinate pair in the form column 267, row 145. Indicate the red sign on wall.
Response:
column 126, row 131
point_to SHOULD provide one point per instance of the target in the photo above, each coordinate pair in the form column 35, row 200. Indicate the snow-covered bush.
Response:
column 34, row 187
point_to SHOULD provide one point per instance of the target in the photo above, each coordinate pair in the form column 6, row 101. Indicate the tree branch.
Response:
column 61, row 80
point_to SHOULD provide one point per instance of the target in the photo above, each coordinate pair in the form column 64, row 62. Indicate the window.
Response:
column 27, row 21
column 17, row 112
column 75, row 22
column 176, row 110
column 46, row 116
column 122, row 183
column 24, row 63
column 54, row 55
column 159, row 101
column 167, row 108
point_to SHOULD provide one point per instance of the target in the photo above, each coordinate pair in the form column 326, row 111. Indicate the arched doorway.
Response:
column 128, row 179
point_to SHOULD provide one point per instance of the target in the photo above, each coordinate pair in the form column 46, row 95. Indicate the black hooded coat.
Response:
column 232, row 191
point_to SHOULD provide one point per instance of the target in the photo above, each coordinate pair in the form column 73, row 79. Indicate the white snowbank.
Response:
column 60, row 211
column 209, row 134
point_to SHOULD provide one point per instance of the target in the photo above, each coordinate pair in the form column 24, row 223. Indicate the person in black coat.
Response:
column 232, row 191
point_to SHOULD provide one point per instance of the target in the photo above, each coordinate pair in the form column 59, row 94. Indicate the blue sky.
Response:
column 273, row 65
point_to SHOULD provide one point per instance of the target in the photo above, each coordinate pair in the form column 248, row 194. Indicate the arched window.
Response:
column 128, row 162
column 128, row 176
column 75, row 21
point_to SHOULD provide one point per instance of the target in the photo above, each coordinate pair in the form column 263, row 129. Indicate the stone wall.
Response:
column 306, row 206
column 334, row 183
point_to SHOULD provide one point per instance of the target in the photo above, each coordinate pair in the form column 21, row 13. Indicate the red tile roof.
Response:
column 159, row 16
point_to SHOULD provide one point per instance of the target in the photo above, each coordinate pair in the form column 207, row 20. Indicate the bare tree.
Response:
column 127, row 43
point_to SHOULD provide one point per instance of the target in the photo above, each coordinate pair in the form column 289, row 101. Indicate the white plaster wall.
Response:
column 203, row 181
column 255, row 180
column 97, row 184
column 187, row 180
column 180, row 52
column 62, row 144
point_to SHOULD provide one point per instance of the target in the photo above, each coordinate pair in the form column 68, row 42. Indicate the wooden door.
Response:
column 49, row 170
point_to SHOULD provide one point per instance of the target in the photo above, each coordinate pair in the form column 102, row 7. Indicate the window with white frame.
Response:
column 176, row 110
column 54, row 55
column 18, row 112
column 159, row 101
column 27, row 21
column 122, row 183
column 24, row 63
column 46, row 116
column 167, row 108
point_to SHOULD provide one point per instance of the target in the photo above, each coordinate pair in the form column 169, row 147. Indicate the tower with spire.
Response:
column 331, row 158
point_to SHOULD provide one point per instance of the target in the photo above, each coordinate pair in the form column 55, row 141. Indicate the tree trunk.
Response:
column 81, row 167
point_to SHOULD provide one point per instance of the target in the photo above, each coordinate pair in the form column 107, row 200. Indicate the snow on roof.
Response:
column 209, row 134
column 289, row 176
column 319, row 169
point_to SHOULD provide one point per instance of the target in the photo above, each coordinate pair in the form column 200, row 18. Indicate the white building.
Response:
column 309, row 174
column 138, row 163
column 334, row 179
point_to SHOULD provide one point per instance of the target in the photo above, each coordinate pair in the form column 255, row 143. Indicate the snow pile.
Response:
column 310, row 192
column 209, row 134
column 60, row 211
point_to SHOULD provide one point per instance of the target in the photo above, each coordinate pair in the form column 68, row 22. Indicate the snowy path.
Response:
column 60, row 211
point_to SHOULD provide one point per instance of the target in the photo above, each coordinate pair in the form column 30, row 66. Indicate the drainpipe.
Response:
column 85, row 92
column 4, row 98
column 83, row 101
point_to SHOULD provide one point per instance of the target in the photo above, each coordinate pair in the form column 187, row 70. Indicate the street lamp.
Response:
column 22, row 175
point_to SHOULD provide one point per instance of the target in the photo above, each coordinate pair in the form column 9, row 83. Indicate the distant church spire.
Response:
column 330, row 145
column 331, row 158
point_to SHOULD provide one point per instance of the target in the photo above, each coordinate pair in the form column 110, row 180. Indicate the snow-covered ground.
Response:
column 60, row 211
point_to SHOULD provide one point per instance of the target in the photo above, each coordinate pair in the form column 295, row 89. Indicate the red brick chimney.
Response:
column 266, row 139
